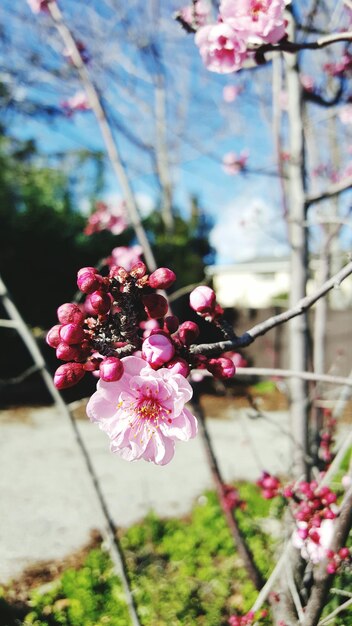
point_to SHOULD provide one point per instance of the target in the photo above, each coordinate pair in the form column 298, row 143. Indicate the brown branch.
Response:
column 249, row 336
column 110, row 143
column 239, row 539
column 330, row 192
column 289, row 46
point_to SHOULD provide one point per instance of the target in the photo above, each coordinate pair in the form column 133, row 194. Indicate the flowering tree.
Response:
column 127, row 336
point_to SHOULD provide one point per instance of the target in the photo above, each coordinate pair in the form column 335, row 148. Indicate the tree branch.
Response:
column 110, row 144
column 279, row 373
column 230, row 516
column 289, row 46
column 215, row 349
column 330, row 192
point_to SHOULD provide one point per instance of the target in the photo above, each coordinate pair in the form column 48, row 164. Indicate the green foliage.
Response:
column 183, row 573
column 90, row 596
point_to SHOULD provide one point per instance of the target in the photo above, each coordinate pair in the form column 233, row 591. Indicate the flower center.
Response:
column 256, row 8
column 146, row 412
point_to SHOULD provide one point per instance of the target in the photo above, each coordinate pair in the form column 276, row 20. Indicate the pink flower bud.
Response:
column 85, row 270
column 68, row 375
column 155, row 305
column 202, row 299
column 111, row 369
column 178, row 366
column 157, row 350
column 162, row 278
column 100, row 302
column 331, row 568
column 65, row 352
column 188, row 332
column 70, row 313
column 138, row 270
column 171, row 323
column 72, row 333
column 88, row 281
column 344, row 553
column 92, row 365
column 53, row 337
column 221, row 367
column 119, row 273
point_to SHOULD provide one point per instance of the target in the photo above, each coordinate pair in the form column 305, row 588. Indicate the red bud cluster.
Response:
column 231, row 498
column 123, row 314
column 338, row 559
column 270, row 485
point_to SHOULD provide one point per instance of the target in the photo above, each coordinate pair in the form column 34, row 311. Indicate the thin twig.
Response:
column 260, row 329
column 240, row 541
column 110, row 143
column 279, row 373
column 334, row 190
column 292, row 47
column 333, row 614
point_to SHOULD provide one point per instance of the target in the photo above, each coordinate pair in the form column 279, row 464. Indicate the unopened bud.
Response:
column 88, row 281
column 119, row 273
column 100, row 302
column 70, row 313
column 202, row 299
column 138, row 270
column 171, row 324
column 53, row 337
column 221, row 367
column 162, row 278
column 178, row 366
column 155, row 305
column 111, row 369
column 188, row 332
column 157, row 350
column 65, row 352
column 68, row 375
column 72, row 333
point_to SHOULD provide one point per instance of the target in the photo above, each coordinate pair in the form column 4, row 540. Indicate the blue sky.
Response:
column 201, row 127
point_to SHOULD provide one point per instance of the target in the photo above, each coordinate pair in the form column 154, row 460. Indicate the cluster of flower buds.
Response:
column 336, row 560
column 270, row 485
column 311, row 504
column 38, row 5
column 327, row 439
column 248, row 619
column 123, row 315
column 231, row 498
column 242, row 620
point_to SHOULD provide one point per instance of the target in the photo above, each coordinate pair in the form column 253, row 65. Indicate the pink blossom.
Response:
column 256, row 21
column 38, row 5
column 345, row 114
column 221, row 48
column 314, row 548
column 126, row 257
column 196, row 14
column 231, row 92
column 233, row 163
column 112, row 218
column 78, row 102
column 143, row 413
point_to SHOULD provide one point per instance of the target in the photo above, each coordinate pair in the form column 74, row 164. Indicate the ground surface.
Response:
column 49, row 506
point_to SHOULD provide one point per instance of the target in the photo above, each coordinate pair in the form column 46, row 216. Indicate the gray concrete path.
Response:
column 48, row 505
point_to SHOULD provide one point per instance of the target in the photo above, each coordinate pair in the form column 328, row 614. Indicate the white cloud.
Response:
column 247, row 229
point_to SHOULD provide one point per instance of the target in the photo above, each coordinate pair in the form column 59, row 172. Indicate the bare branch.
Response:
column 334, row 190
column 260, row 329
column 279, row 373
column 292, row 47
column 110, row 144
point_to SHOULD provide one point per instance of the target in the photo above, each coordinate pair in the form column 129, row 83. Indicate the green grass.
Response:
column 184, row 572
